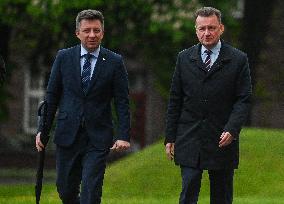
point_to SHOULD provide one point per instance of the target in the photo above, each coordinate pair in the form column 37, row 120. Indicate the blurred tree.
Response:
column 4, row 36
column 150, row 31
column 257, row 15
column 255, row 24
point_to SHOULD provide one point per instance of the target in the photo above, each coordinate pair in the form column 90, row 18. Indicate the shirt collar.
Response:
column 95, row 53
column 215, row 50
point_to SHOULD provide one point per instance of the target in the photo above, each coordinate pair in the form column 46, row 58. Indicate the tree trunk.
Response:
column 257, row 15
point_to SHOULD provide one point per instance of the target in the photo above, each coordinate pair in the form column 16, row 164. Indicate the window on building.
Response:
column 34, row 93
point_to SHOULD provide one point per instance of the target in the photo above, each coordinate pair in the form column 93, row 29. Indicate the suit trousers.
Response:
column 221, row 185
column 80, row 165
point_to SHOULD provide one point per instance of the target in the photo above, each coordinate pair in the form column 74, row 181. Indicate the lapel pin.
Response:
column 104, row 59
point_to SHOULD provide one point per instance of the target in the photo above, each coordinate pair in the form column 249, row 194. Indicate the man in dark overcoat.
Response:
column 209, row 102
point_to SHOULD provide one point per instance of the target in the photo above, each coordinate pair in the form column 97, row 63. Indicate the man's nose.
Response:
column 207, row 32
column 92, row 33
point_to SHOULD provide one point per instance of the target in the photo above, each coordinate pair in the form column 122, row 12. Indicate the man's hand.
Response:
column 170, row 148
column 120, row 145
column 225, row 139
column 38, row 142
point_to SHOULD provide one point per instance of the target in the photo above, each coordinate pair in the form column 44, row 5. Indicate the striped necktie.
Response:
column 207, row 61
column 86, row 73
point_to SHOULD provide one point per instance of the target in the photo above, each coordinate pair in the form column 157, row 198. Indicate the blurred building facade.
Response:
column 27, row 90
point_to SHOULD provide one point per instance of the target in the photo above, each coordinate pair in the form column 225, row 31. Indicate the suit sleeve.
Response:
column 174, row 105
column 242, row 103
column 53, row 93
column 121, row 101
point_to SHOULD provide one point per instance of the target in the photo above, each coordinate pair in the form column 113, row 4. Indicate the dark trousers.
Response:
column 221, row 185
column 80, row 165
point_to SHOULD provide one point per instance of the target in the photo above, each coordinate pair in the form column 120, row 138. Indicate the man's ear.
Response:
column 77, row 33
column 222, row 28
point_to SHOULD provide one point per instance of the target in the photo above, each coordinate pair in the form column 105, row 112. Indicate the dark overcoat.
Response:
column 204, row 104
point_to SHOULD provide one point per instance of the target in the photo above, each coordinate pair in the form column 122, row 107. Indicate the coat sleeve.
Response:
column 121, row 101
column 53, row 92
column 174, row 105
column 242, row 103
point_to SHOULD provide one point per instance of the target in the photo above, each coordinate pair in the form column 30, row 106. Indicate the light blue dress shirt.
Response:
column 214, row 55
column 93, row 59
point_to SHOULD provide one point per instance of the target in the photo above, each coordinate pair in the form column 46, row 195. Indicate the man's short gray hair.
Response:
column 89, row 15
column 208, row 11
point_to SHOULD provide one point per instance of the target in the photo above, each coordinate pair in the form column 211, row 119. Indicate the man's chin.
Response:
column 208, row 44
column 92, row 47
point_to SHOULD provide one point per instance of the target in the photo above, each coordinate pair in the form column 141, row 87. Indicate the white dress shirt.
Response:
column 93, row 59
column 214, row 55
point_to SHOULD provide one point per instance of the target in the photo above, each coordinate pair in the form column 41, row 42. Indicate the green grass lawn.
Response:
column 147, row 177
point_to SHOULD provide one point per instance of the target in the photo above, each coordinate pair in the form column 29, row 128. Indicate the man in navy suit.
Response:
column 209, row 102
column 84, row 80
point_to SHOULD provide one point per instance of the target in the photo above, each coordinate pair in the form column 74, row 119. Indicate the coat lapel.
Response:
column 223, row 58
column 196, row 58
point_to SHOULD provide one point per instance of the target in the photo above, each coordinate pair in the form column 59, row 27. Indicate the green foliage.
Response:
column 154, row 30
column 151, row 32
column 261, row 91
column 148, row 177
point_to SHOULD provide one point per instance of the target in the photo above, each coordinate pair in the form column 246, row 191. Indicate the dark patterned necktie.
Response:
column 207, row 59
column 86, row 73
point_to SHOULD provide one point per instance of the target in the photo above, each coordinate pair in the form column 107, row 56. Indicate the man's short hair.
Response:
column 209, row 11
column 89, row 15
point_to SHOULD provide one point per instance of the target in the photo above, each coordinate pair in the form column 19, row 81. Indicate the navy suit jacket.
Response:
column 64, row 92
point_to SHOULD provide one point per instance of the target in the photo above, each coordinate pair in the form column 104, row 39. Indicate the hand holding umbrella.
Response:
column 41, row 142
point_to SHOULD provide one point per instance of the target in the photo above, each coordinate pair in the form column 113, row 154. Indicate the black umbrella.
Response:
column 42, row 114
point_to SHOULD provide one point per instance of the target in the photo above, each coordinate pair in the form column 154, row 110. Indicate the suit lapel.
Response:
column 99, row 66
column 77, row 66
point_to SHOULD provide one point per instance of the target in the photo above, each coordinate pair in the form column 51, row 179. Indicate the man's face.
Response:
column 90, row 34
column 208, row 30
